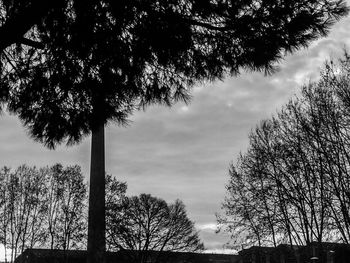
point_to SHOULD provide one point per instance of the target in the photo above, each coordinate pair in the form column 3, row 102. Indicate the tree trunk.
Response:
column 96, row 229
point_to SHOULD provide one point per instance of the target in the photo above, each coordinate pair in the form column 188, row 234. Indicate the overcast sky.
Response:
column 184, row 152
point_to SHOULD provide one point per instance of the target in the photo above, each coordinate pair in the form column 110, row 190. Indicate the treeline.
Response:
column 42, row 207
column 47, row 208
column 292, row 185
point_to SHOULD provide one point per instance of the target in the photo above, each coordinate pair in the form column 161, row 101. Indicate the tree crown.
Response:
column 104, row 59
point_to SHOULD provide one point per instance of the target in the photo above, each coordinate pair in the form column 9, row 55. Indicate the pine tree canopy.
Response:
column 88, row 62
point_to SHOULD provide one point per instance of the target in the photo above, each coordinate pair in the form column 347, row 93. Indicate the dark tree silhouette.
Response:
column 149, row 226
column 42, row 207
column 86, row 63
column 293, row 182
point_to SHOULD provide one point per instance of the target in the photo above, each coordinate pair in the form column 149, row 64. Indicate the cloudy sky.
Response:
column 184, row 152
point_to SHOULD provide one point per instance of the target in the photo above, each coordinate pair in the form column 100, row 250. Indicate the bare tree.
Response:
column 4, row 179
column 72, row 225
column 293, row 182
column 66, row 203
column 150, row 224
column 42, row 207
column 22, row 208
column 36, row 234
column 53, row 199
column 115, row 195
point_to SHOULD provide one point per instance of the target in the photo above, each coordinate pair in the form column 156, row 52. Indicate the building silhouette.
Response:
column 313, row 253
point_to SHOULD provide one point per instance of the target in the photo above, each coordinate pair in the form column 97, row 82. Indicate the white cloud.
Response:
column 209, row 227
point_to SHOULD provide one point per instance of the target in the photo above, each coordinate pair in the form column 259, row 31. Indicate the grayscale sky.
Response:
column 184, row 152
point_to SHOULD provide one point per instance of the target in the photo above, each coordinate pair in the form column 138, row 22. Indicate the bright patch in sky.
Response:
column 209, row 226
column 184, row 108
